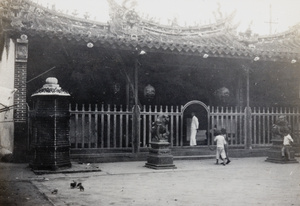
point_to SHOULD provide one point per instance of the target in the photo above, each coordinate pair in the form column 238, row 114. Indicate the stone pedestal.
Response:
column 160, row 156
column 274, row 153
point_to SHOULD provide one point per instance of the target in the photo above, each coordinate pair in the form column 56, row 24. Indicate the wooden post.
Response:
column 127, row 92
column 248, row 114
column 136, row 90
column 136, row 112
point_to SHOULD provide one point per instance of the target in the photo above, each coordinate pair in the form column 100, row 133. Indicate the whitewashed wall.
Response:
column 7, row 67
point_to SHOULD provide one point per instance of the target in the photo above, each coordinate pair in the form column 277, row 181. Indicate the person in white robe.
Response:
column 194, row 128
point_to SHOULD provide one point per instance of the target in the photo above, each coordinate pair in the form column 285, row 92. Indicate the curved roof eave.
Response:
column 216, row 40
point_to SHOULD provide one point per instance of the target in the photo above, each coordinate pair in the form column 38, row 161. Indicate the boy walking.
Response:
column 220, row 140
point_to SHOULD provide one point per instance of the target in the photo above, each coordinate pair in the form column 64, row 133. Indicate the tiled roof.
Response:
column 127, row 30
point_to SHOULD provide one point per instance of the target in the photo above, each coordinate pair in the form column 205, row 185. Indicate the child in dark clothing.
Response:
column 224, row 133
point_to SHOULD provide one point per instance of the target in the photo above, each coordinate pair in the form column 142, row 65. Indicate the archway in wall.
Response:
column 202, row 113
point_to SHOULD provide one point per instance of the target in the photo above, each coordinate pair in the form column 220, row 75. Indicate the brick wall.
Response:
column 20, row 95
column 20, row 114
column 20, row 109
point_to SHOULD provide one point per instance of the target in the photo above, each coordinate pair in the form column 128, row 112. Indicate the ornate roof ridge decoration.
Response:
column 63, row 15
column 293, row 31
column 216, row 40
column 126, row 21
column 282, row 44
column 27, row 16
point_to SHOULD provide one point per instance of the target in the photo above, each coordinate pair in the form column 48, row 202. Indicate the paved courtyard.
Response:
column 245, row 181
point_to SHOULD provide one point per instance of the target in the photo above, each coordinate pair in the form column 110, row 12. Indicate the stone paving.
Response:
column 245, row 181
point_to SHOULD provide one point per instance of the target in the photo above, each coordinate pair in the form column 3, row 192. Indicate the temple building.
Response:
column 131, row 61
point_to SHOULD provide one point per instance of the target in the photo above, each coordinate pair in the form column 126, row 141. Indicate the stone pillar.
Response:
column 20, row 108
column 20, row 79
column 50, row 145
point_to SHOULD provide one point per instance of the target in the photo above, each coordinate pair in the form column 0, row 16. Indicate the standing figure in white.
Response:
column 194, row 128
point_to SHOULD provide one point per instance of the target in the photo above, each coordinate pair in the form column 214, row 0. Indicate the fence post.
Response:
column 136, row 129
column 248, row 128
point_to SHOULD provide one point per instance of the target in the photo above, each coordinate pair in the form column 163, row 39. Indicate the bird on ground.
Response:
column 54, row 191
column 79, row 185
column 73, row 184
column 81, row 188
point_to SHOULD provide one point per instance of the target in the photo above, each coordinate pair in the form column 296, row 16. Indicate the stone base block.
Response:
column 160, row 159
column 274, row 156
column 160, row 156
column 50, row 158
column 160, row 167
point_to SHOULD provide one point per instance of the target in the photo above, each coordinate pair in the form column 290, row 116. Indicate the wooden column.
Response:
column 248, row 112
column 136, row 112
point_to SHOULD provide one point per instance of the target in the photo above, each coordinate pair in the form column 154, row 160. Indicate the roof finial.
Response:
column 270, row 22
column 219, row 10
column 75, row 13
column 86, row 15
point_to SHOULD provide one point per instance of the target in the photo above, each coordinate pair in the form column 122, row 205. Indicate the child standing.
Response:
column 224, row 133
column 220, row 140
column 287, row 140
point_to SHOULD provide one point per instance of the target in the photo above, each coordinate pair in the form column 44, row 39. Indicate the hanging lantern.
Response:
column 116, row 88
column 222, row 93
column 149, row 92
column 90, row 45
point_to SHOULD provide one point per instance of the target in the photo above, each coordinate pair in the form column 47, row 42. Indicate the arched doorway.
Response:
column 202, row 113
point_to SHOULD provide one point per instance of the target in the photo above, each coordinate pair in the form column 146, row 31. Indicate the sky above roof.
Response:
column 256, row 14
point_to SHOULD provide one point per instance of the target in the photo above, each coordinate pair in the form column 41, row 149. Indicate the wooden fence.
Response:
column 112, row 127
column 262, row 120
column 148, row 116
column 105, row 127
column 233, row 120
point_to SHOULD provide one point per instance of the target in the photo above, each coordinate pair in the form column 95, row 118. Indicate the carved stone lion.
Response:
column 159, row 128
column 280, row 127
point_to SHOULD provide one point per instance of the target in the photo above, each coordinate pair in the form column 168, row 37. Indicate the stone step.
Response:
column 194, row 157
